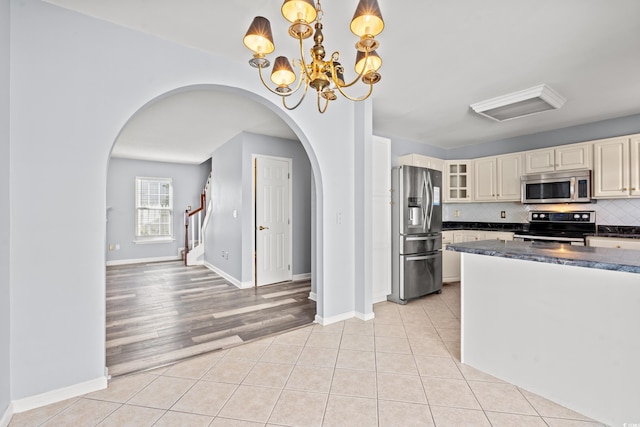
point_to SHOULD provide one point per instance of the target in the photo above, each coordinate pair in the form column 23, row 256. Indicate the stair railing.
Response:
column 195, row 224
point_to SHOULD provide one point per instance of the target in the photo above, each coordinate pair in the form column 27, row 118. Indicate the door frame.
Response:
column 254, row 164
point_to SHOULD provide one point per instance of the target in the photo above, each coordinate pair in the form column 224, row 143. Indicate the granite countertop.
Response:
column 616, row 235
column 482, row 226
column 555, row 253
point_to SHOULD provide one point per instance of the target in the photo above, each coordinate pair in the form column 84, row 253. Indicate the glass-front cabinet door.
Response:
column 458, row 179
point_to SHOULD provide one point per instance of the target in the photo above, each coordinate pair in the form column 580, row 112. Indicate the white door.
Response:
column 273, row 220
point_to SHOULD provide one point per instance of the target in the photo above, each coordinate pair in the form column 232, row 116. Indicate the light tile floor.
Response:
column 401, row 369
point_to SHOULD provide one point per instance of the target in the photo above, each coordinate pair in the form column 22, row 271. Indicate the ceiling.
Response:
column 439, row 57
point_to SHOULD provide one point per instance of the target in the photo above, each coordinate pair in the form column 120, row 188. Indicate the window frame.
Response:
column 139, row 206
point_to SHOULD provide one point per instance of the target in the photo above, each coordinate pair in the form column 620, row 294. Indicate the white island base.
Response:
column 570, row 334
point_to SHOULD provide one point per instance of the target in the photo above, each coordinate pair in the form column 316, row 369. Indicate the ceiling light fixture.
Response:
column 324, row 76
column 519, row 104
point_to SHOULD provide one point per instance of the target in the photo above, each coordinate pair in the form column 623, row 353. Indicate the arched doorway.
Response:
column 134, row 129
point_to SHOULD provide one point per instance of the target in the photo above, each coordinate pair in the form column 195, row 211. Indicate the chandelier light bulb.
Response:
column 299, row 10
column 367, row 20
column 259, row 38
column 373, row 62
column 282, row 74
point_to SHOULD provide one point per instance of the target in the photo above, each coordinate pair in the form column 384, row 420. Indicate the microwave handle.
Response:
column 572, row 188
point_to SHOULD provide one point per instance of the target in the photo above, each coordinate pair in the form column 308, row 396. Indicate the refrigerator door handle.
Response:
column 416, row 258
column 427, row 189
column 412, row 239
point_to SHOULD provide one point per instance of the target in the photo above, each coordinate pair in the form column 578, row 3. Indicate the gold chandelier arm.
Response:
column 334, row 58
column 356, row 99
column 303, row 65
column 283, row 95
column 326, row 104
column 304, row 94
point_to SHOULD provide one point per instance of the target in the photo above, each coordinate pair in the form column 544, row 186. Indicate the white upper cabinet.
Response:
column 458, row 180
column 497, row 178
column 634, row 172
column 565, row 157
column 616, row 172
column 485, row 178
column 422, row 161
column 509, row 169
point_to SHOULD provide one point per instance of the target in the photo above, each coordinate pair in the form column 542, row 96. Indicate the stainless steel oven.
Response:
column 562, row 227
column 557, row 187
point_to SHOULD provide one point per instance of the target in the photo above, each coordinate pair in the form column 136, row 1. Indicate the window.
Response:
column 154, row 209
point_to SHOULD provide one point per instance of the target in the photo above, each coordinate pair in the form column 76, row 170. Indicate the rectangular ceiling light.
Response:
column 519, row 104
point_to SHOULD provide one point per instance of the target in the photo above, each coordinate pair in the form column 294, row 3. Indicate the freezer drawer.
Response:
column 420, row 243
column 420, row 274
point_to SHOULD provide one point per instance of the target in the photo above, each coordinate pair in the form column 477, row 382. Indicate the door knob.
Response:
column 263, row 228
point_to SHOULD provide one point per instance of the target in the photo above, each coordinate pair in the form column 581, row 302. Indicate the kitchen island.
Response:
column 560, row 321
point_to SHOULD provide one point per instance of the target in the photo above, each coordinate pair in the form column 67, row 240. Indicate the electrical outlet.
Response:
column 456, row 213
column 112, row 247
column 503, row 214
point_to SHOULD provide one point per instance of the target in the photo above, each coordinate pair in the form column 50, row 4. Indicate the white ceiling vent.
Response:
column 519, row 104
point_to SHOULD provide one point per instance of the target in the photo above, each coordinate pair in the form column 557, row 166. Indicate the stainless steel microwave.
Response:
column 557, row 187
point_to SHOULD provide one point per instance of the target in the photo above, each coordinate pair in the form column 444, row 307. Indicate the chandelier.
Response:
column 326, row 77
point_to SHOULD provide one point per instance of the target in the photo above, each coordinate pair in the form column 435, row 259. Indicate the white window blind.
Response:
column 154, row 208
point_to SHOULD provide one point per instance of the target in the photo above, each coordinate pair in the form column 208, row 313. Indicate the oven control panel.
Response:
column 550, row 216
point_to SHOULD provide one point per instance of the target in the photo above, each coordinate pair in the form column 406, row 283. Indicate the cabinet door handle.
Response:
column 624, row 189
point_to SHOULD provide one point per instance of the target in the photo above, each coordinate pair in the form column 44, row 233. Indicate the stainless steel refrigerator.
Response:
column 416, row 226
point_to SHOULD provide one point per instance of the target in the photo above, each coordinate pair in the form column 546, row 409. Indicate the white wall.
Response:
column 75, row 83
column 624, row 212
column 188, row 182
column 5, row 254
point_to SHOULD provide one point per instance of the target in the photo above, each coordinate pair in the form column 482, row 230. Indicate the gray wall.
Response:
column 188, row 182
column 588, row 132
column 69, row 102
column 400, row 147
column 232, row 188
column 5, row 313
column 224, row 232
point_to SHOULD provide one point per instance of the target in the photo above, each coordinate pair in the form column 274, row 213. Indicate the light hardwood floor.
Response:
column 160, row 313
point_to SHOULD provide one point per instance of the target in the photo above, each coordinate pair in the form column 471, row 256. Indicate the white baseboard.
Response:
column 5, row 419
column 334, row 319
column 143, row 260
column 301, row 277
column 378, row 298
column 313, row 296
column 365, row 317
column 345, row 316
column 233, row 280
column 59, row 395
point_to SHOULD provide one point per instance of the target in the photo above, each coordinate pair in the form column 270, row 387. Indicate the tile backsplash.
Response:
column 608, row 212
